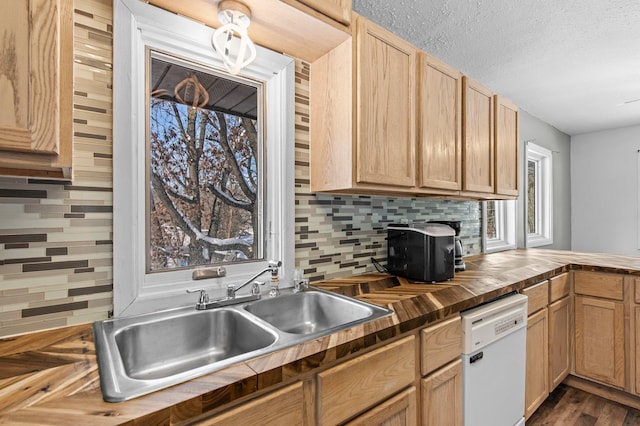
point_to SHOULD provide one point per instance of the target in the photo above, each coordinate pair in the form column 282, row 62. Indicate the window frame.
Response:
column 505, row 226
column 137, row 27
column 543, row 158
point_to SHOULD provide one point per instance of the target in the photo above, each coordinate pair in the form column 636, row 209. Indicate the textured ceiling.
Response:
column 571, row 63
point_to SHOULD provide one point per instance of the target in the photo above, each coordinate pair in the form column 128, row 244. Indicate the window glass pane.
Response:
column 204, row 168
column 491, row 231
column 531, row 197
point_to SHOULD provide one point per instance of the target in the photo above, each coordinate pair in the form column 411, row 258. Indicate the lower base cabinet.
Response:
column 537, row 375
column 442, row 396
column 600, row 340
column 397, row 411
column 364, row 382
column 560, row 319
column 285, row 406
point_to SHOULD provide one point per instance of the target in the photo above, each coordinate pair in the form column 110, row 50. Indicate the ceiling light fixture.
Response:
column 235, row 18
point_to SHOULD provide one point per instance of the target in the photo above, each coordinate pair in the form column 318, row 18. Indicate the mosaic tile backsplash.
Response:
column 56, row 238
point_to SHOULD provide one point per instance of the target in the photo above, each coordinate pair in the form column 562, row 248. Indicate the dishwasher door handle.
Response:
column 476, row 357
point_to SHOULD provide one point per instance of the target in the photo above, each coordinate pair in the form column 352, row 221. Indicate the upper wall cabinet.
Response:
column 385, row 92
column 338, row 10
column 477, row 139
column 439, row 120
column 36, row 84
column 388, row 119
column 363, row 114
column 507, row 152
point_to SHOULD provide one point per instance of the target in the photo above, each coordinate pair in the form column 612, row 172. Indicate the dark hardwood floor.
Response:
column 569, row 406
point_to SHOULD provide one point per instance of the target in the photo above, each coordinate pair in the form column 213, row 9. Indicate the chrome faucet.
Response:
column 231, row 299
column 272, row 267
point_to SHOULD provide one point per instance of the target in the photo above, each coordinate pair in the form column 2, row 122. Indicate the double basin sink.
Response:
column 141, row 354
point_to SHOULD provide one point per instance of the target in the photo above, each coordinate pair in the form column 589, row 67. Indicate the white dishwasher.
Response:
column 493, row 355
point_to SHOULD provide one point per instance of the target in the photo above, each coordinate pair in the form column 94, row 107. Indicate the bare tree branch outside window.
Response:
column 204, row 186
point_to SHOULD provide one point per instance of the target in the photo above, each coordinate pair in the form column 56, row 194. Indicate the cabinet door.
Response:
column 36, row 88
column 386, row 68
column 358, row 384
column 282, row 407
column 440, row 344
column 559, row 342
column 339, row 10
column 397, row 411
column 506, row 134
column 439, row 125
column 537, row 375
column 477, row 138
column 442, row 396
column 599, row 334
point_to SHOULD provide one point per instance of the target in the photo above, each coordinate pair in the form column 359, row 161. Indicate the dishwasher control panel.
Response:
column 490, row 322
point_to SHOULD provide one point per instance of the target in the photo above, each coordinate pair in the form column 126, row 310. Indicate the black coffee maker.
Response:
column 458, row 251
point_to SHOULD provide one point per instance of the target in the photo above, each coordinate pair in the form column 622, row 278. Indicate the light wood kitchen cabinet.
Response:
column 560, row 332
column 385, row 139
column 506, row 146
column 477, row 139
column 439, row 126
column 537, row 374
column 559, row 341
column 442, row 396
column 600, row 327
column 599, row 339
column 397, row 411
column 281, row 407
column 363, row 114
column 441, row 347
column 36, row 89
column 338, row 10
column 441, row 344
column 363, row 382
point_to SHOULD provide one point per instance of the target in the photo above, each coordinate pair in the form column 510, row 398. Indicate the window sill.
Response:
column 538, row 241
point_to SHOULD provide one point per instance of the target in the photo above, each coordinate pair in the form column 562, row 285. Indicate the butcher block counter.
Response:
column 51, row 377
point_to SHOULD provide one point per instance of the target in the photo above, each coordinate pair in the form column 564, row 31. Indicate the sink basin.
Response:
column 180, row 343
column 310, row 312
column 141, row 354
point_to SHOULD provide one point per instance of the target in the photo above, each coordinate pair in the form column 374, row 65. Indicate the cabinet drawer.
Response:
column 362, row 382
column 440, row 344
column 558, row 287
column 538, row 296
column 399, row 410
column 284, row 406
column 608, row 286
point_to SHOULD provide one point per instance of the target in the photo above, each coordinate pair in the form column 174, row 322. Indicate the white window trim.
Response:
column 505, row 227
column 137, row 26
column 544, row 205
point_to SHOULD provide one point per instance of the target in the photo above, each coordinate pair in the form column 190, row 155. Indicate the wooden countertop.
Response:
column 51, row 377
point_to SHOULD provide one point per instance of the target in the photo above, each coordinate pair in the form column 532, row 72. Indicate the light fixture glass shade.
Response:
column 231, row 41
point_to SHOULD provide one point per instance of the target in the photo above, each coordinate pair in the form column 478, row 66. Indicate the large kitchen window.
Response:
column 204, row 167
column 203, row 161
column 499, row 220
column 538, row 211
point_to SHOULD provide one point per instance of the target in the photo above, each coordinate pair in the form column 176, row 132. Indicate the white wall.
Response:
column 604, row 191
column 545, row 135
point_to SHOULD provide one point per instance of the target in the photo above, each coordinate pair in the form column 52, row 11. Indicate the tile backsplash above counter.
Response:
column 55, row 238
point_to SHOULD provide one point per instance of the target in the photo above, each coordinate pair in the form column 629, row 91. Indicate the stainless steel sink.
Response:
column 179, row 343
column 310, row 312
column 141, row 354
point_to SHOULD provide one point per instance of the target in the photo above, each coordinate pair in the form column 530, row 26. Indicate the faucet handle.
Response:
column 204, row 296
column 255, row 288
